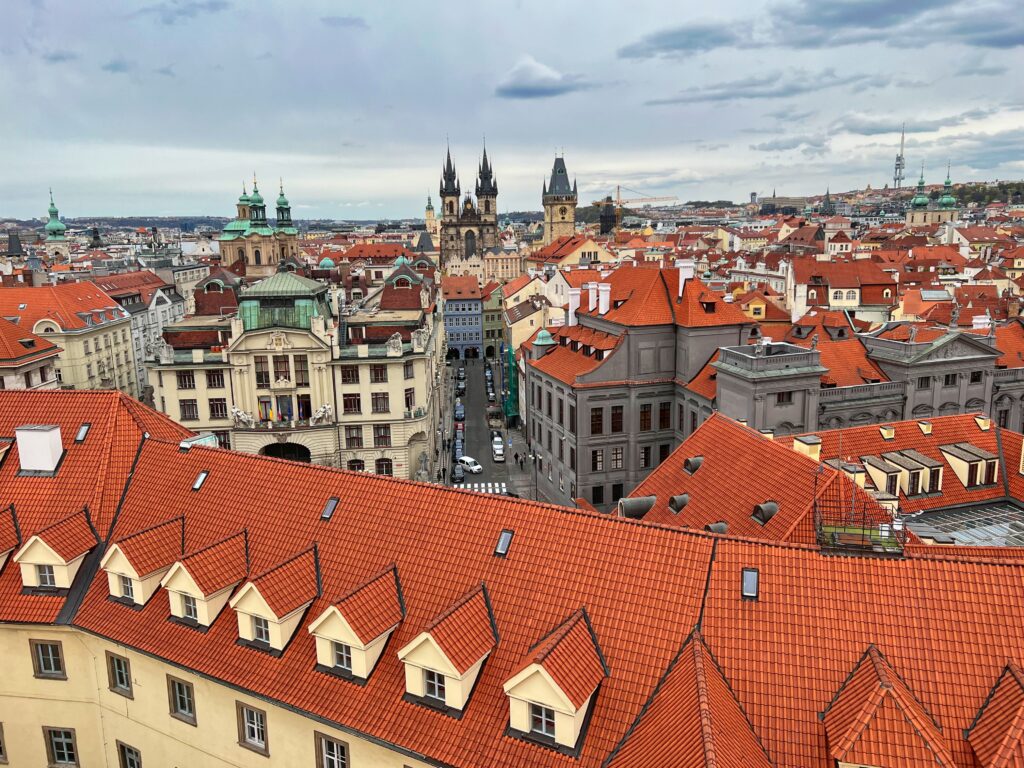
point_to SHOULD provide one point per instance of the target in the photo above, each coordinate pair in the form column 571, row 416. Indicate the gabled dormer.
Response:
column 10, row 534
column 270, row 607
column 136, row 564
column 443, row 661
column 200, row 584
column 875, row 720
column 972, row 465
column 997, row 733
column 551, row 694
column 352, row 633
column 50, row 559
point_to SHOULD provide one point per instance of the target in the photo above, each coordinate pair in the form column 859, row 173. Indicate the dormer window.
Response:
column 45, row 578
column 269, row 607
column 189, row 608
column 433, row 685
column 50, row 559
column 199, row 585
column 343, row 657
column 261, row 630
column 127, row 588
column 542, row 721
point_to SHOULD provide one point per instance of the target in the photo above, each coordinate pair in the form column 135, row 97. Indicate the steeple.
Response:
column 921, row 198
column 430, row 205
column 948, row 199
column 55, row 228
column 257, row 209
column 284, row 208
column 486, row 184
column 449, row 180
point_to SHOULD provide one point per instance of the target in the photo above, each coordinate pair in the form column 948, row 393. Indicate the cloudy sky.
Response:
column 126, row 108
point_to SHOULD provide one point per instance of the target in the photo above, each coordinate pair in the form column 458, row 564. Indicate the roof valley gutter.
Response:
column 1002, row 461
column 707, row 586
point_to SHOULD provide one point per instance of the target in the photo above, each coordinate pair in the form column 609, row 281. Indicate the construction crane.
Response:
column 619, row 201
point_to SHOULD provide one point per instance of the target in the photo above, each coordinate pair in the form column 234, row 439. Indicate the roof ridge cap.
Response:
column 83, row 511
column 704, row 706
column 151, row 528
column 459, row 602
column 387, row 570
column 217, row 543
column 310, row 549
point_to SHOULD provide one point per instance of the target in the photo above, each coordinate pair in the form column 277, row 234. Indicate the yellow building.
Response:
column 250, row 238
column 92, row 330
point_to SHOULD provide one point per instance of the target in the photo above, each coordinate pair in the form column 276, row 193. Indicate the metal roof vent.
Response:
column 692, row 464
column 636, row 507
column 719, row 527
column 765, row 511
column 676, row 503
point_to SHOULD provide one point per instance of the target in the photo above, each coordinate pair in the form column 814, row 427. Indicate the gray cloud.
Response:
column 529, row 79
column 812, row 144
column 873, row 125
column 118, row 66
column 774, row 85
column 344, row 22
column 682, row 41
column 172, row 11
column 167, row 71
column 790, row 115
column 59, row 57
column 979, row 151
column 977, row 67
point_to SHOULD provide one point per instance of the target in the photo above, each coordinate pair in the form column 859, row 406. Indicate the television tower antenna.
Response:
column 898, row 173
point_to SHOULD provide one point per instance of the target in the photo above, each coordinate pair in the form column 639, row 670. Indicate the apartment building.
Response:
column 92, row 330
column 27, row 361
column 463, row 316
column 301, row 630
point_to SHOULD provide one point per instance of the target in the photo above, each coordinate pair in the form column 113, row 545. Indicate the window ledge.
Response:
column 125, row 602
column 184, row 718
column 44, row 591
column 546, row 742
column 190, row 623
column 434, row 704
column 254, row 748
column 123, row 692
column 50, row 676
column 341, row 674
column 262, row 647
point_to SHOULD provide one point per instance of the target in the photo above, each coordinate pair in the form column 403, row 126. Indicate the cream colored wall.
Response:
column 535, row 686
column 37, row 553
column 101, row 718
column 333, row 628
column 167, row 396
column 74, row 362
column 178, row 582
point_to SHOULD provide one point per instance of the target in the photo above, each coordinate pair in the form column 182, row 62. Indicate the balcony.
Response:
column 416, row 413
column 284, row 426
column 863, row 391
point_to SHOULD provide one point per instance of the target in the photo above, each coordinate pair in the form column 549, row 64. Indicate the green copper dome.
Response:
column 243, row 199
column 55, row 228
column 920, row 200
column 544, row 339
column 282, row 201
column 326, row 263
column 948, row 200
column 255, row 198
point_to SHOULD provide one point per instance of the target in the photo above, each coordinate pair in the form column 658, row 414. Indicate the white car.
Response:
column 470, row 464
column 498, row 454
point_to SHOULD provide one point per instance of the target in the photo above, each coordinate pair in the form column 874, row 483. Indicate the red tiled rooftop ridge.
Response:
column 71, row 537
column 373, row 607
column 290, row 585
column 465, row 631
column 219, row 565
column 997, row 735
column 154, row 548
column 572, row 656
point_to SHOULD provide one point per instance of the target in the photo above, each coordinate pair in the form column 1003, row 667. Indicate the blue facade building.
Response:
column 463, row 316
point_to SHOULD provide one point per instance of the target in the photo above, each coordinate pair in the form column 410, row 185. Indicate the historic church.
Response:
column 469, row 227
column 251, row 239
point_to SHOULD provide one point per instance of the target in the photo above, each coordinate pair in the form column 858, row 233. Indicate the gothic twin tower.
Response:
column 469, row 228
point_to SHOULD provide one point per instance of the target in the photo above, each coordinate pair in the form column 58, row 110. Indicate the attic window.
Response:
column 27, row 343
column 692, row 464
column 82, row 432
column 708, row 306
column 200, row 479
column 329, row 508
column 504, row 542
column 750, row 586
column 22, row 306
column 765, row 511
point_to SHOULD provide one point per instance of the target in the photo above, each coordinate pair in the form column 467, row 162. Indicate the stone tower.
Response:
column 449, row 191
column 487, row 203
column 431, row 221
column 559, row 201
column 56, row 245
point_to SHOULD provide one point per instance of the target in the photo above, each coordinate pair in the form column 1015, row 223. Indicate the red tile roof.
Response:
column 155, row 548
column 221, row 564
column 19, row 345
column 66, row 304
column 565, row 365
column 9, row 536
column 465, row 630
column 455, row 287
column 143, row 282
column 290, row 585
column 874, row 711
column 516, row 284
column 71, row 537
column 572, row 657
column 997, row 736
column 559, row 248
column 378, row 252
column 374, row 607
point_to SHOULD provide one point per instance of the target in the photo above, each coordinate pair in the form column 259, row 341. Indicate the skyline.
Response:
column 165, row 110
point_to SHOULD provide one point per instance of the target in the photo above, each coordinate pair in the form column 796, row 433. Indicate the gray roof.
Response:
column 284, row 284
column 559, row 184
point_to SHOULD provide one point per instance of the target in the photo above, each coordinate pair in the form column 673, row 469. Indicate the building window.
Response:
column 597, row 494
column 616, row 425
column 542, row 721
column 617, row 455
column 343, row 656
column 45, row 578
column 597, row 460
column 934, row 477
column 892, row 485
column 351, row 404
column 384, row 467
column 128, row 757
column 381, row 435
column 378, row 374
column 561, row 410
column 783, row 398
column 923, row 382
column 572, row 419
column 976, row 377
column 186, row 380
column 252, row 728
column 1003, row 418
column 547, row 404
column 380, row 402
column 61, row 748
column 189, row 608
column 330, row 753
column 189, row 410
column 48, row 659
column 596, row 421
column 119, row 675
column 665, row 415
column 572, row 459
column 218, row 408
column 990, row 472
column 262, row 371
column 914, row 483
column 949, row 380
column 750, row 584
column 353, row 437
column 181, row 699
column 407, row 369
column 433, row 685
column 645, row 417
column 645, row 456
column 410, row 398
column 215, row 379
column 127, row 587
column 349, row 374
column 301, row 371
column 851, row 295
column 260, row 630
column 663, row 451
column 837, row 295
column 3, row 745
column 282, row 368
column 617, row 491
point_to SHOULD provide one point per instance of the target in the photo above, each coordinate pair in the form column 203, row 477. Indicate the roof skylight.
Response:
column 504, row 542
column 200, row 479
column 82, row 432
column 329, row 507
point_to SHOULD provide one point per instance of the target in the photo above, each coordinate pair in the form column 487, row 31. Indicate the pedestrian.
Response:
column 516, row 457
column 439, row 475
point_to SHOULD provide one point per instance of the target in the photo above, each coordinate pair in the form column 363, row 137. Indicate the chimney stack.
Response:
column 685, row 267
column 808, row 445
column 604, row 297
column 39, row 447
column 591, row 296
column 574, row 304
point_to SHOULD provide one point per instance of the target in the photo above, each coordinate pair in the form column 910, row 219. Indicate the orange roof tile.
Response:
column 565, row 365
column 374, row 607
column 19, row 345
column 71, row 537
column 10, row 538
column 997, row 735
column 219, row 565
column 66, row 304
column 572, row 656
column 290, row 585
column 465, row 631
column 454, row 287
column 154, row 548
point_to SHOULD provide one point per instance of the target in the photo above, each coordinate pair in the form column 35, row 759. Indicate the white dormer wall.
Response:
column 178, row 583
column 249, row 603
column 424, row 654
column 116, row 565
column 960, row 467
column 38, row 552
column 878, row 477
column 535, row 686
column 331, row 627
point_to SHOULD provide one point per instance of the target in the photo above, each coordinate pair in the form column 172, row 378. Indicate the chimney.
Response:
column 574, row 304
column 591, row 296
column 685, row 267
column 981, row 322
column 808, row 445
column 604, row 297
column 39, row 447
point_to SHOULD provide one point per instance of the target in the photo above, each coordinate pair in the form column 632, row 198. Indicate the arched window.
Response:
column 383, row 467
column 851, row 295
column 812, row 294
column 356, row 465
column 257, row 259
column 214, row 287
column 241, row 255
column 886, row 294
column 403, row 283
column 837, row 295
column 450, row 208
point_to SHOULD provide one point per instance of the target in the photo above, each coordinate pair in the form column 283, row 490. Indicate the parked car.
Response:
column 498, row 453
column 488, row 374
column 490, row 397
column 470, row 464
column 497, row 442
column 458, row 474
column 457, row 454
column 460, row 388
column 460, row 412
column 461, row 374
